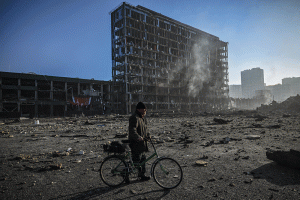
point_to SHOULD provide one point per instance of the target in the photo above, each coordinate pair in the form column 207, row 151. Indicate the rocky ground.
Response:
column 59, row 158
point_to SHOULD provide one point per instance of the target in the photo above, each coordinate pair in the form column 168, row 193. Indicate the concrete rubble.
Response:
column 57, row 153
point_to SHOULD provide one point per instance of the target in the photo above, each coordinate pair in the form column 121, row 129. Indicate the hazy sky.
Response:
column 72, row 38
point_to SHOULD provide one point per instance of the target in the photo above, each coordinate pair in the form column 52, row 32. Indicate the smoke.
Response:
column 197, row 74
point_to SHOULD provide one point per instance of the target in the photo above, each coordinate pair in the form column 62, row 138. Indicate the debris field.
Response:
column 223, row 156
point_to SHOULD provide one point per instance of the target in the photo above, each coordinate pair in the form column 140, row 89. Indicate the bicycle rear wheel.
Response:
column 167, row 173
column 113, row 171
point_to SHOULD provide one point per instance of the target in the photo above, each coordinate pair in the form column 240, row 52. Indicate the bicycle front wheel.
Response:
column 113, row 171
column 167, row 173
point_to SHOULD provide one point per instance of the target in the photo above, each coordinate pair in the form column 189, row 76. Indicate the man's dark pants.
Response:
column 139, row 157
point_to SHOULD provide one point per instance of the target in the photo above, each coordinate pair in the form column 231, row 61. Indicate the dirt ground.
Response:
column 59, row 158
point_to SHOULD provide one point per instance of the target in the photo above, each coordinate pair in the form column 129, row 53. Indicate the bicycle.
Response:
column 167, row 173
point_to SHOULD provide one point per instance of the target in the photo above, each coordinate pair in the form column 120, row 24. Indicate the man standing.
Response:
column 137, row 136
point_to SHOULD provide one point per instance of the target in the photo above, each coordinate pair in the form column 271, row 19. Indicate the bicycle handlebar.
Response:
column 149, row 139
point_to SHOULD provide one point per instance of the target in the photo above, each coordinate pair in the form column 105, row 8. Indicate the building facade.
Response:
column 32, row 95
column 252, row 80
column 165, row 63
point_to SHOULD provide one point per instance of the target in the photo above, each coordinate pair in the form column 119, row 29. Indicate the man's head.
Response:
column 141, row 108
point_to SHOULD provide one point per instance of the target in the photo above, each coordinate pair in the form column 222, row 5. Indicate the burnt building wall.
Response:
column 165, row 63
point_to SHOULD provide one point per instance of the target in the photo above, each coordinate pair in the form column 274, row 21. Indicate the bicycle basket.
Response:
column 114, row 147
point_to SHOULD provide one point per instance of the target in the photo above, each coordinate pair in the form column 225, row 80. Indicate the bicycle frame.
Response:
column 145, row 161
column 128, row 155
column 136, row 165
column 150, row 157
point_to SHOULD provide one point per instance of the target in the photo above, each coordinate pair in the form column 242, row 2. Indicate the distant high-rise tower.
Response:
column 165, row 63
column 252, row 80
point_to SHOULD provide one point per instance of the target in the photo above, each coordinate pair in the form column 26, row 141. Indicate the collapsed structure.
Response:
column 165, row 63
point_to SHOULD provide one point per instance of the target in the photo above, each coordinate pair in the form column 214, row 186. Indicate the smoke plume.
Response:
column 197, row 74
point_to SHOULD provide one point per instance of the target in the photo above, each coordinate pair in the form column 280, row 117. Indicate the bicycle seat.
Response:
column 126, row 141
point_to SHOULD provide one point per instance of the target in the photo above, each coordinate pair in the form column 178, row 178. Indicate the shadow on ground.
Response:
column 98, row 192
column 277, row 174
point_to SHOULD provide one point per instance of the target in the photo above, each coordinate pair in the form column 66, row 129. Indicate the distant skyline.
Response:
column 72, row 38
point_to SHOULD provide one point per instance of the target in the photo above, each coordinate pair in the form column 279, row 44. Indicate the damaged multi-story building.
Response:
column 32, row 95
column 165, row 63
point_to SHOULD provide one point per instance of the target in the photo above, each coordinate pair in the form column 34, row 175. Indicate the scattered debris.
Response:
column 160, row 141
column 133, row 191
column 259, row 117
column 225, row 140
column 188, row 141
column 248, row 181
column 121, row 135
column 212, row 179
column 188, row 124
column 252, row 137
column 257, row 125
column 44, row 160
column 221, row 121
column 209, row 143
column 185, row 139
column 201, row 163
column 274, row 126
column 81, row 152
column 21, row 157
column 89, row 123
column 50, row 167
column 56, row 154
column 274, row 190
column 168, row 139
column 204, row 157
column 237, row 158
column 4, row 132
column 246, row 157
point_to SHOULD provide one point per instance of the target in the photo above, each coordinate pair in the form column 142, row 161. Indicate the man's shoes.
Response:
column 127, row 179
column 145, row 178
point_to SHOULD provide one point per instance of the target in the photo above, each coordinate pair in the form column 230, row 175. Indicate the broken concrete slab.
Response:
column 221, row 121
column 201, row 163
column 286, row 158
column 252, row 137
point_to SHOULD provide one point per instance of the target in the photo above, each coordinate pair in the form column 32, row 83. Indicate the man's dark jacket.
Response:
column 137, row 129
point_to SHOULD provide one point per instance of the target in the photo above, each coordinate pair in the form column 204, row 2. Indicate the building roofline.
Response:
column 46, row 77
column 175, row 21
column 156, row 14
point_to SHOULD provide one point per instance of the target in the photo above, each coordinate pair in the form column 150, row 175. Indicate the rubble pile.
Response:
column 291, row 105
